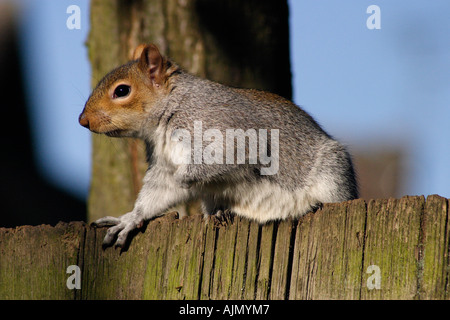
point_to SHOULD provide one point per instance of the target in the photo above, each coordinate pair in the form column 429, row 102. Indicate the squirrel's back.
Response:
column 312, row 167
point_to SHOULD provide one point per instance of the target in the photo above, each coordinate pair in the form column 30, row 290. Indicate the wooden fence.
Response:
column 384, row 249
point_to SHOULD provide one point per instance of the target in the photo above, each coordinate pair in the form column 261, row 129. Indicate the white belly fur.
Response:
column 267, row 201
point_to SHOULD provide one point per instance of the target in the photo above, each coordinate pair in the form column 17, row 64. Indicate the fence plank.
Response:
column 392, row 243
column 155, row 273
column 208, row 258
column 325, row 278
column 34, row 260
column 177, row 255
column 436, row 267
column 332, row 253
column 281, row 260
column 240, row 259
column 353, row 251
column 114, row 273
column 224, row 260
column 304, row 247
column 196, row 246
column 252, row 262
column 265, row 261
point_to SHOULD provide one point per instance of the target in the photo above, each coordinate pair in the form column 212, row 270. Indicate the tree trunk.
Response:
column 238, row 43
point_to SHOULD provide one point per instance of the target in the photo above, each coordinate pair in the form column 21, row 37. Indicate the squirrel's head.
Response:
column 118, row 105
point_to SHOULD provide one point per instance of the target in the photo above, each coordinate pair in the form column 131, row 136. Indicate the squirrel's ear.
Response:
column 151, row 61
column 138, row 51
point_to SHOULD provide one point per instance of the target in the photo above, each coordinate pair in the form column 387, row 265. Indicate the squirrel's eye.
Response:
column 121, row 91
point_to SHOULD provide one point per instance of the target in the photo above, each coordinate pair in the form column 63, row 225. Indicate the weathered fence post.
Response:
column 384, row 249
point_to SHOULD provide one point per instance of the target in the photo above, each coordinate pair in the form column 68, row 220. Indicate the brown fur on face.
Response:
column 147, row 78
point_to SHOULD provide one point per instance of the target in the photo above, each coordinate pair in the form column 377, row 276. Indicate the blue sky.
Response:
column 366, row 87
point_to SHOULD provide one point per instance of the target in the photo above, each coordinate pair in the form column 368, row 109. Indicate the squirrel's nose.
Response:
column 83, row 120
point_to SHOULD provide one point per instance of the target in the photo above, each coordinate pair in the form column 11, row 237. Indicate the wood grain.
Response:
column 323, row 255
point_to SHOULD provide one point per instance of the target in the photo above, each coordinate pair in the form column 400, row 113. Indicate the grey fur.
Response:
column 313, row 167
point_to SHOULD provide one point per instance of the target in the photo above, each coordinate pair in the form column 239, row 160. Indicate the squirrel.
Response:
column 245, row 151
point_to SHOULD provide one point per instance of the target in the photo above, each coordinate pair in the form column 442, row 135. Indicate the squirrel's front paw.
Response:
column 121, row 227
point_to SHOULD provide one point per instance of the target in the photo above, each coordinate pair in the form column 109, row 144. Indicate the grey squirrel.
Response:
column 248, row 151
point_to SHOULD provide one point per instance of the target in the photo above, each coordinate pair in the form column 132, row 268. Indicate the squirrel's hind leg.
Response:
column 214, row 209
